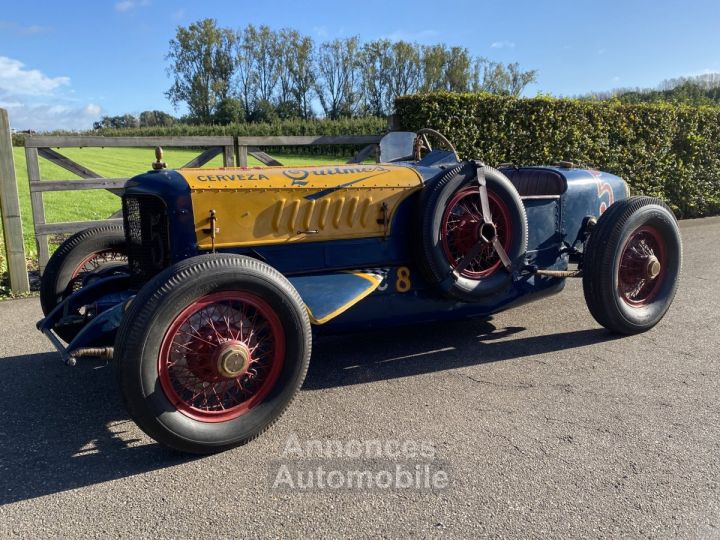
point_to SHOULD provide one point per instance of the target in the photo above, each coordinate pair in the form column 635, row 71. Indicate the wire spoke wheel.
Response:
column 460, row 232
column 642, row 266
column 631, row 265
column 221, row 356
column 77, row 259
column 212, row 351
column 93, row 262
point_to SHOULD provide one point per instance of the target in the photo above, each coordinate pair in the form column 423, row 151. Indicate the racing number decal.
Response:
column 402, row 278
column 603, row 189
column 402, row 283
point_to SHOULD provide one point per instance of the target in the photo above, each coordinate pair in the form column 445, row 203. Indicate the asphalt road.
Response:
column 546, row 425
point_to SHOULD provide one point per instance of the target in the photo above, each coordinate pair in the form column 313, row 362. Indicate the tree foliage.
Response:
column 699, row 90
column 215, row 68
column 339, row 82
column 663, row 150
column 145, row 119
column 201, row 66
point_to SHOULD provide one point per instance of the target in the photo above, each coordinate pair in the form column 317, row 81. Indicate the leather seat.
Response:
column 535, row 181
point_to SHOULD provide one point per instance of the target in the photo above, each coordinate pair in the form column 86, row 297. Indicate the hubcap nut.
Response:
column 652, row 268
column 233, row 361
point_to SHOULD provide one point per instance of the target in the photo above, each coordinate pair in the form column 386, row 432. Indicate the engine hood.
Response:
column 307, row 179
column 271, row 205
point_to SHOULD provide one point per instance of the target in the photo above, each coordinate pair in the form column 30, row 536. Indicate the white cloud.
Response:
column 42, row 103
column 22, row 30
column 502, row 44
column 46, row 117
column 92, row 110
column 18, row 81
column 127, row 5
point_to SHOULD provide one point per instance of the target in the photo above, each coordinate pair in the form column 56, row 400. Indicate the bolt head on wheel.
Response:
column 233, row 360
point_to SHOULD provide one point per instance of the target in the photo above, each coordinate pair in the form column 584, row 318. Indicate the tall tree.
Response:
column 497, row 78
column 375, row 61
column 245, row 73
column 457, row 75
column 434, row 59
column 263, row 45
column 287, row 40
column 519, row 79
column 300, row 58
column 201, row 66
column 339, row 85
column 404, row 72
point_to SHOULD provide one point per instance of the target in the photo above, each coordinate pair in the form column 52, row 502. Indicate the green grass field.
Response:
column 111, row 163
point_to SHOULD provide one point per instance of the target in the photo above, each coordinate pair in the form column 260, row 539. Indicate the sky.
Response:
column 66, row 63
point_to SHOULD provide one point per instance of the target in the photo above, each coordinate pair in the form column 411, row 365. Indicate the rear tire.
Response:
column 191, row 373
column 82, row 253
column 632, row 265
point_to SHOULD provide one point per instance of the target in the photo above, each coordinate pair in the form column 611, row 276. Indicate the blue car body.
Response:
column 354, row 283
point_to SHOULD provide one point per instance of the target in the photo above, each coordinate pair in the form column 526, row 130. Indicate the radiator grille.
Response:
column 146, row 233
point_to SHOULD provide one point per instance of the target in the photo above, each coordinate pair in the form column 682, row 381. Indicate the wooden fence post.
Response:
column 229, row 156
column 242, row 156
column 10, row 209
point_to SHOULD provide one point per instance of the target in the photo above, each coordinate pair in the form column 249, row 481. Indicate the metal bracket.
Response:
column 487, row 216
column 67, row 358
column 385, row 219
column 213, row 229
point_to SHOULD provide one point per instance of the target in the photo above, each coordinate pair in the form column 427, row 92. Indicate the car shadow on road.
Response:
column 408, row 351
column 63, row 428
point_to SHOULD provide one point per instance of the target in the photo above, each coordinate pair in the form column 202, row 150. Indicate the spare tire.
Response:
column 451, row 217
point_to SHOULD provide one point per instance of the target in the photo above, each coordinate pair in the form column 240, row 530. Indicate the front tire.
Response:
column 632, row 265
column 85, row 252
column 212, row 352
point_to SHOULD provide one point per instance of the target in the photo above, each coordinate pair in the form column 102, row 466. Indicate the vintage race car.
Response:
column 207, row 298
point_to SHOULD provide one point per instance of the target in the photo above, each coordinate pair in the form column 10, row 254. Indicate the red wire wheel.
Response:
column 642, row 266
column 92, row 262
column 221, row 356
column 460, row 232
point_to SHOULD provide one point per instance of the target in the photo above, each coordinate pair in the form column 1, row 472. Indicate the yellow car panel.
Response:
column 276, row 205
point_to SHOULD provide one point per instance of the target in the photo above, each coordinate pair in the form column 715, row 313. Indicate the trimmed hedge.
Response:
column 346, row 126
column 667, row 151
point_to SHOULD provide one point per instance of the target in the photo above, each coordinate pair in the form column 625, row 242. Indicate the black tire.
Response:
column 64, row 270
column 619, row 289
column 436, row 266
column 149, row 323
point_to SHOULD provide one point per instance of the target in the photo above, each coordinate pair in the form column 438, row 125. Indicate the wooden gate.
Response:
column 229, row 147
column 36, row 147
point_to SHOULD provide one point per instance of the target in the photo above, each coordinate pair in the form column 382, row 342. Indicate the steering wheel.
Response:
column 423, row 144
